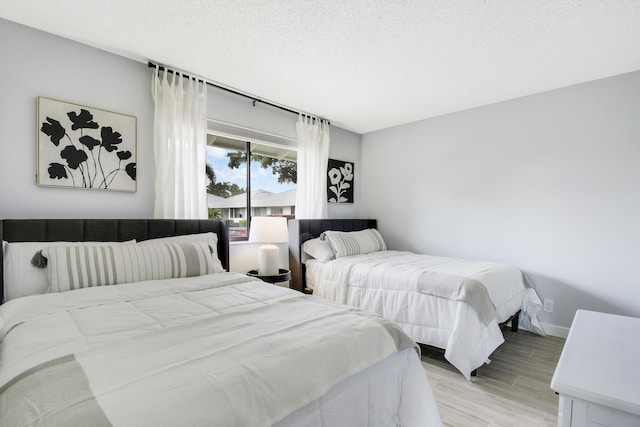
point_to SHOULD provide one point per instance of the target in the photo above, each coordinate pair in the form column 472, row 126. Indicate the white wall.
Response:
column 550, row 183
column 35, row 64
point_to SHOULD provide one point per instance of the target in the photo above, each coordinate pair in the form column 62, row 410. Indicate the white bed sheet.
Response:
column 98, row 323
column 385, row 283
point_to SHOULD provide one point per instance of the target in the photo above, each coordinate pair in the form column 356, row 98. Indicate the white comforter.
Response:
column 447, row 315
column 221, row 349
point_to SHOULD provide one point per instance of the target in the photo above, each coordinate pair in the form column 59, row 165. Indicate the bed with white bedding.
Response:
column 449, row 303
column 218, row 348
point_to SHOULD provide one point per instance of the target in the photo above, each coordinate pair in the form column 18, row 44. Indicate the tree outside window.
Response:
column 271, row 179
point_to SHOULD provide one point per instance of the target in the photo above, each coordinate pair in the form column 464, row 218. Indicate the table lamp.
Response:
column 269, row 230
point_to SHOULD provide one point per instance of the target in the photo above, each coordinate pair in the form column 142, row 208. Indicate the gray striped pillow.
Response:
column 346, row 243
column 78, row 267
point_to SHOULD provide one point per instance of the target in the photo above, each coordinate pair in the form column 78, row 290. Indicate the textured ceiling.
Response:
column 365, row 65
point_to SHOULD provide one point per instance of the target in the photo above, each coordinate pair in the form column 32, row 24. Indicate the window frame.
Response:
column 284, row 144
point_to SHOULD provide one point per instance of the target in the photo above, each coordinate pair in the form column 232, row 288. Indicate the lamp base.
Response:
column 268, row 260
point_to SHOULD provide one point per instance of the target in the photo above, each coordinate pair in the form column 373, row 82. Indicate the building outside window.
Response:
column 267, row 187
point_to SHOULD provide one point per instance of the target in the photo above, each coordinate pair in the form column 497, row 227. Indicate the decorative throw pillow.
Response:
column 21, row 278
column 318, row 249
column 87, row 266
column 210, row 238
column 346, row 243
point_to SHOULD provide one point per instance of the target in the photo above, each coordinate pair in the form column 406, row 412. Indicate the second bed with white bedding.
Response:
column 450, row 303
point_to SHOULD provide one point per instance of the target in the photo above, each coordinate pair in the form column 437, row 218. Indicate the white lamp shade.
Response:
column 268, row 229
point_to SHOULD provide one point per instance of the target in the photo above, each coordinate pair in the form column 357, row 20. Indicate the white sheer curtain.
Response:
column 313, row 155
column 179, row 146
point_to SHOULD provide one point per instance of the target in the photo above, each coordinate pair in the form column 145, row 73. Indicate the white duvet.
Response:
column 221, row 349
column 395, row 284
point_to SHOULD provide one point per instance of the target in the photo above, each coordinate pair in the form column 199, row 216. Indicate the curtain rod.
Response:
column 244, row 95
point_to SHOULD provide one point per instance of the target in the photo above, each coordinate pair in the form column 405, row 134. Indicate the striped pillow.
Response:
column 210, row 238
column 355, row 242
column 78, row 267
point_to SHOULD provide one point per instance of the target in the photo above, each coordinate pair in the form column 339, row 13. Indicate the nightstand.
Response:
column 597, row 375
column 282, row 276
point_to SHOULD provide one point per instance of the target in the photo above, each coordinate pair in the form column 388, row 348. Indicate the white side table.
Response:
column 598, row 374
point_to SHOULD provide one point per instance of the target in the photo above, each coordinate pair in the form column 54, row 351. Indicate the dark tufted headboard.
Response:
column 106, row 230
column 301, row 230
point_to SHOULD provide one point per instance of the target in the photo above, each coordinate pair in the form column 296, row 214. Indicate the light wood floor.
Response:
column 511, row 391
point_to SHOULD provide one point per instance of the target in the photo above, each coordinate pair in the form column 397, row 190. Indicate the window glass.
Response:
column 268, row 187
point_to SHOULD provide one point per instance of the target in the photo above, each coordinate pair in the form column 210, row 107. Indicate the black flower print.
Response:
column 84, row 120
column 340, row 178
column 57, row 171
column 54, row 130
column 124, row 155
column 89, row 141
column 131, row 170
column 86, row 152
column 73, row 156
column 110, row 139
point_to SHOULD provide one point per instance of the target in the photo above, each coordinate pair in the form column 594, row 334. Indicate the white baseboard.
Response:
column 555, row 331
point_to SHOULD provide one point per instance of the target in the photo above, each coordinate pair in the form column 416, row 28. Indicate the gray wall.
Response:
column 35, row 64
column 550, row 183
column 38, row 64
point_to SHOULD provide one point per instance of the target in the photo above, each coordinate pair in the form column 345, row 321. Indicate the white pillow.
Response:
column 23, row 279
column 210, row 238
column 346, row 243
column 76, row 267
column 318, row 249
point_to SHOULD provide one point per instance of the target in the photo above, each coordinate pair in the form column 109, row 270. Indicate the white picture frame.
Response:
column 85, row 147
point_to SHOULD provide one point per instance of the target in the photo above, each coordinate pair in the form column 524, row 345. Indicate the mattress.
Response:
column 221, row 349
column 396, row 284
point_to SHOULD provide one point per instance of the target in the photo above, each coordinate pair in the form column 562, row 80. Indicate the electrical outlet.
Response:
column 548, row 305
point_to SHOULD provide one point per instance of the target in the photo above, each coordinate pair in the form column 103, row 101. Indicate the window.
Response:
column 267, row 187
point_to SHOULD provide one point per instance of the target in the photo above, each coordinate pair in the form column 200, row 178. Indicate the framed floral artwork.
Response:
column 340, row 181
column 85, row 147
